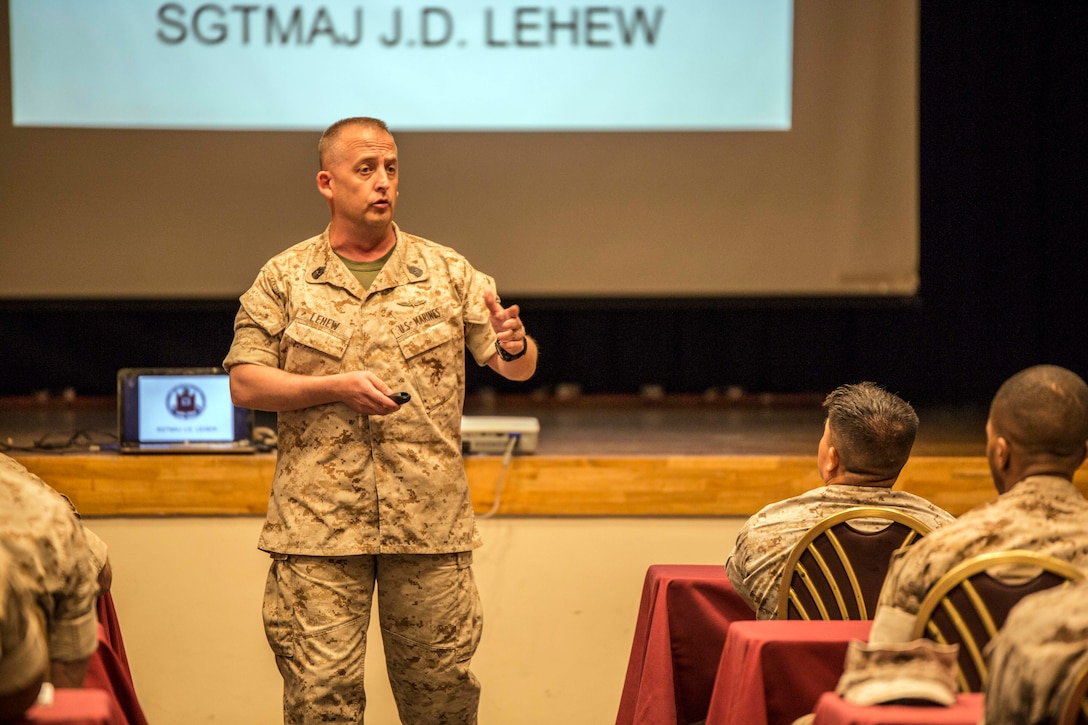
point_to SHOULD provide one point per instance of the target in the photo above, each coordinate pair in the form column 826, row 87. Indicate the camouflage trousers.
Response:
column 316, row 614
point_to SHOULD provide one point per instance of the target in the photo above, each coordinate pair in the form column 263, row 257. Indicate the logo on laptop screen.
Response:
column 185, row 401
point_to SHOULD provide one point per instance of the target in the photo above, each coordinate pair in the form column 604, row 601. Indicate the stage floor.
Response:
column 578, row 426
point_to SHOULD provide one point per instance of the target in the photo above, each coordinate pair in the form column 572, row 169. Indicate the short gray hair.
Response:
column 332, row 133
column 872, row 430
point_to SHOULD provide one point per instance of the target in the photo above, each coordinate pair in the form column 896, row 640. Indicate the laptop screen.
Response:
column 182, row 406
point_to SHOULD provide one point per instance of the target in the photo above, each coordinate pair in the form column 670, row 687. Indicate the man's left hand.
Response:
column 507, row 324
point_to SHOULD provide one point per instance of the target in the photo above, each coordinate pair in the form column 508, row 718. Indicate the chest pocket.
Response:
column 436, row 361
column 427, row 339
column 313, row 350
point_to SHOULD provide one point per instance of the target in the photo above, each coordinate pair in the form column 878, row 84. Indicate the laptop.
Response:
column 180, row 410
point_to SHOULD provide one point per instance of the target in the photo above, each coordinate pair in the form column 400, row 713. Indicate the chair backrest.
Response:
column 835, row 571
column 1074, row 706
column 968, row 605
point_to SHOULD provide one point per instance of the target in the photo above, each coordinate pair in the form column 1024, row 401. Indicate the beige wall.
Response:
column 560, row 601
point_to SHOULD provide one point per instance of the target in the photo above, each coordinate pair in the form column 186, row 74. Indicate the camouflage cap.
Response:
column 921, row 670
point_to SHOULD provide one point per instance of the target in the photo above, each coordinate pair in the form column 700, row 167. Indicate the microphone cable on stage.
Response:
column 507, row 456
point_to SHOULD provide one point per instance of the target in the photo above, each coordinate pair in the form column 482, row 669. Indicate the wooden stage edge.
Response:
column 109, row 485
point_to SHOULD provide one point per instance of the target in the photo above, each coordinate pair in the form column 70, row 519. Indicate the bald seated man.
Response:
column 1036, row 438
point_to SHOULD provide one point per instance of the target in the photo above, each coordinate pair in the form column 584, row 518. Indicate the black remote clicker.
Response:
column 400, row 398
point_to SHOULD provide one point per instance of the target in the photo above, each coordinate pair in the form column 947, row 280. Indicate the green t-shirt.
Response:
column 367, row 272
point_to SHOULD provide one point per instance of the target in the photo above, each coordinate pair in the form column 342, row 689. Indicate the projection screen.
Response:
column 681, row 149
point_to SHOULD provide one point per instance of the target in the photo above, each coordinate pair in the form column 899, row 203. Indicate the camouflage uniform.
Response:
column 48, row 544
column 348, row 486
column 766, row 540
column 23, row 654
column 98, row 547
column 1033, row 657
column 1046, row 514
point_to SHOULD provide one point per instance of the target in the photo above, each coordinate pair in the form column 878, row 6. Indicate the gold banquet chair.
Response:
column 835, row 571
column 1074, row 709
column 968, row 605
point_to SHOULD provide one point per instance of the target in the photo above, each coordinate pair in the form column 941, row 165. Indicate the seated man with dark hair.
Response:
column 1036, row 438
column 868, row 435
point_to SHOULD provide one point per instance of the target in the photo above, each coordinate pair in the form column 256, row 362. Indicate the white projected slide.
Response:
column 632, row 149
column 464, row 65
column 176, row 408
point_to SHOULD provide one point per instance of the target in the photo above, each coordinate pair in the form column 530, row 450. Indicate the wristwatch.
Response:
column 508, row 356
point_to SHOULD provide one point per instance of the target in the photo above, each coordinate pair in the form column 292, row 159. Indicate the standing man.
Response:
column 369, row 491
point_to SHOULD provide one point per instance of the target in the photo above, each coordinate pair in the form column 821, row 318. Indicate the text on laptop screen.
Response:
column 185, row 408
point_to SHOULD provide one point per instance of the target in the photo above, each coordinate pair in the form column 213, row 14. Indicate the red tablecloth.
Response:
column 682, row 620
column 833, row 710
column 773, row 672
column 76, row 707
column 108, row 669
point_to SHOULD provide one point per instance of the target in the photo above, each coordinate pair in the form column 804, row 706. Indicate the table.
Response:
column 833, row 710
column 683, row 617
column 773, row 672
column 108, row 669
column 75, row 707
